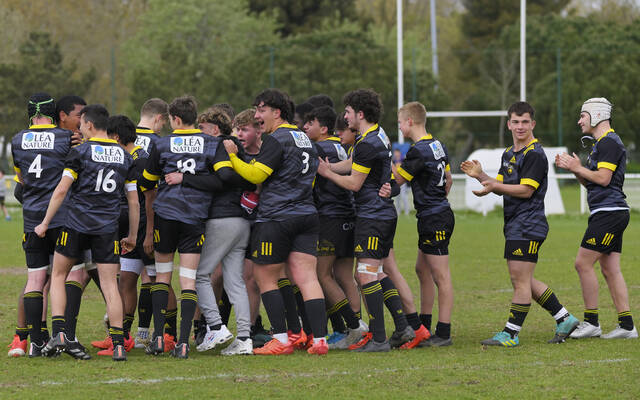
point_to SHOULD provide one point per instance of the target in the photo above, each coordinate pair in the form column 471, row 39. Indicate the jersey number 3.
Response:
column 305, row 162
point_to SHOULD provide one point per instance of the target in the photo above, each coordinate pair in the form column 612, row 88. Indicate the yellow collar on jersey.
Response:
column 287, row 126
column 42, row 126
column 186, row 131
column 134, row 149
column 95, row 139
column 605, row 134
column 332, row 138
column 373, row 128
column 426, row 137
column 144, row 130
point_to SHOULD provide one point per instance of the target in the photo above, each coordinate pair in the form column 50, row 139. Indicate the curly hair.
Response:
column 217, row 116
column 367, row 101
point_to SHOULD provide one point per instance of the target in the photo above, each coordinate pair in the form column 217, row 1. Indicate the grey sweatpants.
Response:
column 226, row 242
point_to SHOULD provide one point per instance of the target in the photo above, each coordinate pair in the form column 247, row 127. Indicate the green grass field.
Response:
column 592, row 368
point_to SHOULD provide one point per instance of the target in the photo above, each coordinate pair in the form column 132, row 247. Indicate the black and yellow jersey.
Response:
column 372, row 156
column 140, row 158
column 146, row 138
column 608, row 152
column 39, row 155
column 332, row 200
column 524, row 219
column 101, row 169
column 425, row 168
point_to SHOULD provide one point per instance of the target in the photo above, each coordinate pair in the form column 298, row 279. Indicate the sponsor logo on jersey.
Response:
column 513, row 160
column 384, row 138
column 107, row 154
column 436, row 148
column 342, row 155
column 38, row 140
column 301, row 139
column 187, row 144
column 143, row 141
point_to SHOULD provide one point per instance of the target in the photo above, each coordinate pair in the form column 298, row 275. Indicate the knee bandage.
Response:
column 366, row 268
column 188, row 273
column 164, row 267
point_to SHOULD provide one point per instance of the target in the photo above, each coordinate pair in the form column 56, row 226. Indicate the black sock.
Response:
column 393, row 303
column 224, row 306
column 274, row 305
column 159, row 299
column 372, row 292
column 591, row 316
column 44, row 332
column 517, row 314
column 625, row 320
column 302, row 310
column 33, row 303
column 57, row 324
column 258, row 324
column 128, row 321
column 344, row 309
column 358, row 314
column 23, row 333
column 549, row 302
column 95, row 276
column 188, row 303
column 145, row 306
column 171, row 323
column 414, row 321
column 336, row 320
column 291, row 309
column 426, row 321
column 72, row 308
column 443, row 330
column 117, row 336
column 317, row 317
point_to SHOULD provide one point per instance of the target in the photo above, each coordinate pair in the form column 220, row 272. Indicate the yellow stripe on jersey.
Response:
column 252, row 172
column 222, row 164
column 72, row 172
column 603, row 164
column 499, row 178
column 447, row 168
column 16, row 169
column 403, row 173
column 149, row 176
column 360, row 168
column 530, row 182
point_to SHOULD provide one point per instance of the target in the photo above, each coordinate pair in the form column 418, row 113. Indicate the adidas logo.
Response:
column 517, row 252
column 358, row 249
column 255, row 253
column 592, row 241
column 427, row 241
column 513, row 160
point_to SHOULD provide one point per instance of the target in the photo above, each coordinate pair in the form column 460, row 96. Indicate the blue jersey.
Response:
column 38, row 155
column 608, row 152
column 372, row 156
column 424, row 168
column 332, row 200
column 101, row 170
column 291, row 161
column 524, row 219
column 188, row 151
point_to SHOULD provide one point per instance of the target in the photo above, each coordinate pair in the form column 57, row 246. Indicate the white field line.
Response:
column 266, row 377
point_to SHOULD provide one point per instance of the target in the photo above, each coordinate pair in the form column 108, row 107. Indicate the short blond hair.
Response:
column 416, row 111
column 246, row 117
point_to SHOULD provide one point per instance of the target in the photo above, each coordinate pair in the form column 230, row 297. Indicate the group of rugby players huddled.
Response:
column 272, row 204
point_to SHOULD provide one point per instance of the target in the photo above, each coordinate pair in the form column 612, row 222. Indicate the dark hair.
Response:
column 153, row 107
column 278, row 100
column 367, row 101
column 122, row 126
column 96, row 114
column 325, row 116
column 303, row 108
column 218, row 116
column 341, row 123
column 67, row 104
column 520, row 108
column 226, row 107
column 319, row 100
column 41, row 105
column 186, row 108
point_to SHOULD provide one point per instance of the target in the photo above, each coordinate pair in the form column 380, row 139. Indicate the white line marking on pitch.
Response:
column 152, row 381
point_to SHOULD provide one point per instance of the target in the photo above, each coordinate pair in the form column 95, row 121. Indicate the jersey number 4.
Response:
column 36, row 166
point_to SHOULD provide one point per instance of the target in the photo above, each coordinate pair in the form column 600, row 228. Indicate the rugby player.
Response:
column 336, row 214
column 426, row 169
column 522, row 181
column 376, row 216
column 38, row 156
column 179, row 217
column 99, row 170
column 603, row 176
column 286, row 229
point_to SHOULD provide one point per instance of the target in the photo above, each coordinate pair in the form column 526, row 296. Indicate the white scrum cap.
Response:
column 598, row 108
